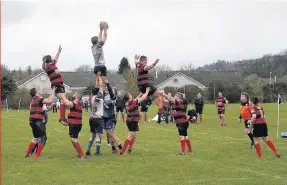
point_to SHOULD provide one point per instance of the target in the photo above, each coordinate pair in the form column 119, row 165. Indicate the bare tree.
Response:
column 162, row 67
column 84, row 68
column 186, row 67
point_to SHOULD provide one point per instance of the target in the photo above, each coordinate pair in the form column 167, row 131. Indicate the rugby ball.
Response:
column 104, row 25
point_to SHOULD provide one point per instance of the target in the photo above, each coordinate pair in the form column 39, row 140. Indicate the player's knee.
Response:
column 265, row 139
column 74, row 140
column 42, row 140
column 181, row 137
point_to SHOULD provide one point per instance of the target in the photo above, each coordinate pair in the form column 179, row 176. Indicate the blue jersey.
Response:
column 109, row 109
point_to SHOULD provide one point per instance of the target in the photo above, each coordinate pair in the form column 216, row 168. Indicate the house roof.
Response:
column 202, row 77
column 83, row 79
column 80, row 79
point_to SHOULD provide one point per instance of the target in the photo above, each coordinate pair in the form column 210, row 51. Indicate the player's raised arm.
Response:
column 50, row 99
column 149, row 67
column 105, row 35
column 136, row 59
column 67, row 102
column 144, row 96
column 58, row 54
column 44, row 63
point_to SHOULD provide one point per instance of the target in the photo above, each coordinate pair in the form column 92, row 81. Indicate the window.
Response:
column 175, row 80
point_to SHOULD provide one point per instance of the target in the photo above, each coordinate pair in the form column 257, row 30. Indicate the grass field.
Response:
column 220, row 155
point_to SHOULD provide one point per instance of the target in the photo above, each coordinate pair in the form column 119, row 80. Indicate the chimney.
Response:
column 156, row 75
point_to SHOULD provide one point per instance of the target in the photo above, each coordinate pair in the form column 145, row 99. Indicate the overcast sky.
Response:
column 176, row 32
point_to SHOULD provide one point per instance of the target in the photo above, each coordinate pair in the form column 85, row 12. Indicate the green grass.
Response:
column 221, row 156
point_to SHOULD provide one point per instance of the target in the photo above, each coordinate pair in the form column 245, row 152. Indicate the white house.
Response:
column 178, row 80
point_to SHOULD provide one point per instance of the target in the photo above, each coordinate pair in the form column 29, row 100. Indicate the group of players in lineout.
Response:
column 102, row 113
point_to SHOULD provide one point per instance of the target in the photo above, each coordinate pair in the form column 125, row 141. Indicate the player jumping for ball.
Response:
column 98, row 53
column 49, row 65
column 144, row 81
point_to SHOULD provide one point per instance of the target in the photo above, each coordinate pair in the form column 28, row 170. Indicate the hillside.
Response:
column 277, row 64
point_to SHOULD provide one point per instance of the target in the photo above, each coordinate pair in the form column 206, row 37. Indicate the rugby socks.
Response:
column 30, row 148
column 131, row 143
column 188, row 144
column 90, row 143
column 62, row 111
column 258, row 150
column 126, row 144
column 120, row 146
column 182, row 145
column 39, row 150
column 271, row 145
column 250, row 135
column 200, row 119
column 98, row 146
column 78, row 148
column 145, row 116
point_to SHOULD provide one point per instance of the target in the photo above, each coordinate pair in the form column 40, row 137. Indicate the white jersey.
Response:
column 98, row 54
column 97, row 108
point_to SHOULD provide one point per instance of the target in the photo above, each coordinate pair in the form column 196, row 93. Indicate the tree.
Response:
column 253, row 85
column 187, row 67
column 162, row 68
column 84, row 68
column 29, row 70
column 8, row 86
column 123, row 66
column 89, row 89
column 131, row 82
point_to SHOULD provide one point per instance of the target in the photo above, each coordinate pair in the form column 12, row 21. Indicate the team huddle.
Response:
column 103, row 115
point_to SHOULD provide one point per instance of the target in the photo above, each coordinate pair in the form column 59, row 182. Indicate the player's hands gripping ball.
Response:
column 104, row 25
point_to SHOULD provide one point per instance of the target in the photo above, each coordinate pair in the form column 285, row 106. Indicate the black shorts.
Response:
column 74, row 130
column 142, row 89
column 247, row 125
column 59, row 88
column 109, row 123
column 221, row 111
column 133, row 126
column 182, row 128
column 96, row 125
column 144, row 108
column 38, row 128
column 119, row 109
column 101, row 69
column 199, row 110
column 260, row 130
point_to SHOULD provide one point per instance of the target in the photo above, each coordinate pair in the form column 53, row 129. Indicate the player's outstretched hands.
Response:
column 156, row 61
column 60, row 49
column 137, row 57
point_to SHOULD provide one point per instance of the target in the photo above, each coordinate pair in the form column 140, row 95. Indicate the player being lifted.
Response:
column 97, row 51
column 144, row 81
column 49, row 65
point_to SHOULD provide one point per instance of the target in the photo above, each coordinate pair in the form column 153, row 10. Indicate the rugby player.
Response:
column 260, row 129
column 120, row 106
column 96, row 118
column 245, row 114
column 199, row 104
column 180, row 119
column 98, row 53
column 36, row 121
column 143, row 80
column 133, row 117
column 49, row 65
column 75, row 120
column 221, row 102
